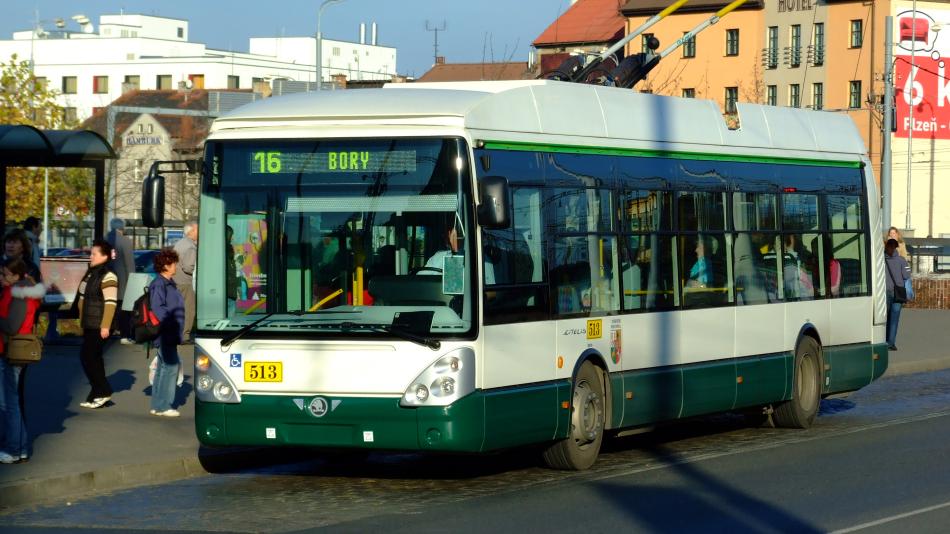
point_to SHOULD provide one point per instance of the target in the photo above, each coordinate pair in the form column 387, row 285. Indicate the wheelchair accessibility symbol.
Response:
column 235, row 360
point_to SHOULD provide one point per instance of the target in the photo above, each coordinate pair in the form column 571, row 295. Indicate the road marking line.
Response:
column 688, row 459
column 891, row 518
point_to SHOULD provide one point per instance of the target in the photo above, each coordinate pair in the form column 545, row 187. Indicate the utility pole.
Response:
column 888, row 122
column 912, row 93
column 435, row 56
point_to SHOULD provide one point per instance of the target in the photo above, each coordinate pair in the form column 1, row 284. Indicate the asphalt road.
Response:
column 875, row 462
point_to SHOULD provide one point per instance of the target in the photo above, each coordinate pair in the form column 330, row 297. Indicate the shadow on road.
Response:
column 701, row 503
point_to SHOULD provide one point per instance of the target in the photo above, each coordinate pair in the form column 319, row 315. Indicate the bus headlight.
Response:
column 446, row 380
column 211, row 382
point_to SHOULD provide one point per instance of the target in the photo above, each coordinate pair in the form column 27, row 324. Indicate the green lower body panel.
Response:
column 482, row 421
column 709, row 388
column 763, row 379
column 851, row 367
column 652, row 395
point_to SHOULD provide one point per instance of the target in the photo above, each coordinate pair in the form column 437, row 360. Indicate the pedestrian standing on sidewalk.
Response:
column 897, row 272
column 894, row 233
column 187, row 250
column 122, row 264
column 98, row 294
column 19, row 303
column 16, row 244
column 33, row 228
column 168, row 305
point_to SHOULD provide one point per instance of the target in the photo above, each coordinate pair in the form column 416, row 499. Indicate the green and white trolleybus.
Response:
column 476, row 266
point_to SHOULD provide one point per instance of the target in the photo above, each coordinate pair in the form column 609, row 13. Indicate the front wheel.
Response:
column 579, row 450
column 800, row 412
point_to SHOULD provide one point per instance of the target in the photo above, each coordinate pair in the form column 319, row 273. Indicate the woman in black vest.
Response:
column 98, row 293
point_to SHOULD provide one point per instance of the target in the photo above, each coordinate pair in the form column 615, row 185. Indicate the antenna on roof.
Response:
column 436, row 29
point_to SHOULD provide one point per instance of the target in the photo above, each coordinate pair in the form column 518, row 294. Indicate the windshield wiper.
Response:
column 226, row 342
column 433, row 344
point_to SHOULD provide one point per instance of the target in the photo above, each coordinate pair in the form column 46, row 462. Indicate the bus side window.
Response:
column 518, row 290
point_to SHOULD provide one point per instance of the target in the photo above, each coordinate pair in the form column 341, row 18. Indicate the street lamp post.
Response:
column 320, row 41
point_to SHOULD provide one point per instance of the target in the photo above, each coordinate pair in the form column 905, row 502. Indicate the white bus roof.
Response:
column 551, row 112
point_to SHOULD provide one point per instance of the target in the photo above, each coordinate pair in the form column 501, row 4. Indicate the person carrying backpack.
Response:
column 168, row 305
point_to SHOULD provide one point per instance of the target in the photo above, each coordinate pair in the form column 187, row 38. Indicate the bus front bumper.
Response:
column 343, row 422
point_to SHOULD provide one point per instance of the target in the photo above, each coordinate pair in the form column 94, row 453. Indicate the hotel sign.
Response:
column 133, row 140
column 787, row 6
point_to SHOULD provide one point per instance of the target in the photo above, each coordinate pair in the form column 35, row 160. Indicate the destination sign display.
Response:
column 333, row 161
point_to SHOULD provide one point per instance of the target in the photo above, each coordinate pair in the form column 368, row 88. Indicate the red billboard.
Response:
column 920, row 81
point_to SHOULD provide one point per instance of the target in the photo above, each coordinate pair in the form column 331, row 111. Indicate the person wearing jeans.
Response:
column 897, row 272
column 168, row 305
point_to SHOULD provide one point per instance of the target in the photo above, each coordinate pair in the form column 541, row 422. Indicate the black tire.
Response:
column 588, row 415
column 800, row 412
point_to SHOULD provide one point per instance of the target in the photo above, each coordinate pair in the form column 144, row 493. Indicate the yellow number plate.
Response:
column 595, row 329
column 263, row 372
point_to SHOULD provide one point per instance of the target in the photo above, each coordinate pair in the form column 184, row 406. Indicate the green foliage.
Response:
column 26, row 100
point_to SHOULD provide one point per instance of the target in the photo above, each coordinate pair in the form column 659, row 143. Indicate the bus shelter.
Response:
column 26, row 146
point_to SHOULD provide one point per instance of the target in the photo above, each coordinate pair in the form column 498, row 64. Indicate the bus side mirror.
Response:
column 493, row 210
column 153, row 200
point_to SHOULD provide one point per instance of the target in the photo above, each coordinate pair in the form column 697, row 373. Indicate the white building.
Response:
column 92, row 68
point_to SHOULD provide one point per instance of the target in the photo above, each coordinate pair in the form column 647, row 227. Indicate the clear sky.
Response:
column 475, row 29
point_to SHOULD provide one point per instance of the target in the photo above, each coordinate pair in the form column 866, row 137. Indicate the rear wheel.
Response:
column 579, row 450
column 800, row 412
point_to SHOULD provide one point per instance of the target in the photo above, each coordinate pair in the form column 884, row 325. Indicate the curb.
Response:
column 76, row 486
column 919, row 366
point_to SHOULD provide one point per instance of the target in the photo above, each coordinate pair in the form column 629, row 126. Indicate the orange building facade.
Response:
column 825, row 55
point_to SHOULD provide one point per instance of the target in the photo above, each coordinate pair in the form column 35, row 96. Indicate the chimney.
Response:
column 440, row 60
column 374, row 34
column 362, row 33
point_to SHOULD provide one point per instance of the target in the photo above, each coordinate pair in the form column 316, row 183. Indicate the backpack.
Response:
column 145, row 325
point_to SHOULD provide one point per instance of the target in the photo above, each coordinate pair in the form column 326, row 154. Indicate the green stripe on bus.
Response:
column 632, row 152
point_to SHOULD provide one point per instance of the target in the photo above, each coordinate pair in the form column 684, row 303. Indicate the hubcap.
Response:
column 806, row 383
column 587, row 417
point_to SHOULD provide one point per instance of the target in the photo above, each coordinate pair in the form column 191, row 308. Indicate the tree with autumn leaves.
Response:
column 24, row 99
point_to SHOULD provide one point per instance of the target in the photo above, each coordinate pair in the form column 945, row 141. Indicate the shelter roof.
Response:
column 27, row 146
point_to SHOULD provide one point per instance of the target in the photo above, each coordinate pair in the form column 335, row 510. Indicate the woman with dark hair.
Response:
column 19, row 303
column 16, row 244
column 168, row 305
column 98, row 295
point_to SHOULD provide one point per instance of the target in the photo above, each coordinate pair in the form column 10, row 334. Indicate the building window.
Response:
column 181, row 33
column 131, row 83
column 857, row 33
column 336, row 50
column 795, row 95
column 818, row 42
column 70, row 115
column 732, row 96
column 817, row 96
column 69, row 85
column 163, row 82
column 795, row 45
column 689, row 46
column 100, row 85
column 234, row 82
column 732, row 42
column 854, row 94
column 771, row 95
column 197, row 81
column 689, row 92
column 643, row 43
column 771, row 52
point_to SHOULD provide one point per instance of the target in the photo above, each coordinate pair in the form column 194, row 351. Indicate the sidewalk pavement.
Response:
column 78, row 452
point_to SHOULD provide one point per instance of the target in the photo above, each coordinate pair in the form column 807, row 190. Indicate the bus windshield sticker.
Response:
column 453, row 275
